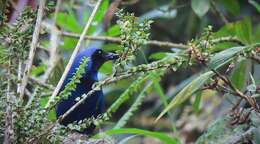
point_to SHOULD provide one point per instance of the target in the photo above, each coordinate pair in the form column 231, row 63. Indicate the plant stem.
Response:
column 35, row 38
column 9, row 132
column 118, row 40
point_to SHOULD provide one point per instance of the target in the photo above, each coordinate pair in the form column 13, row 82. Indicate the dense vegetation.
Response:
column 188, row 70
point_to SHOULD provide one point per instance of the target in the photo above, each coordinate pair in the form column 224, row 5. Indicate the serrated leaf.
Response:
column 223, row 57
column 161, row 136
column 186, row 92
column 200, row 7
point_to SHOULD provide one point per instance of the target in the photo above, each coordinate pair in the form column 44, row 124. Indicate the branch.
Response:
column 118, row 40
column 255, row 58
column 73, row 56
column 228, row 82
column 35, row 38
column 106, row 81
column 228, row 39
column 152, row 42
column 111, row 79
column 97, row 87
column 9, row 132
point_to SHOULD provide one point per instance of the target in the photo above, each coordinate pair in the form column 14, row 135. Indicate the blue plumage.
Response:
column 95, row 103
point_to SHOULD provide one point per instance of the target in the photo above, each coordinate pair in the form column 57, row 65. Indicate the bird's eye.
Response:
column 99, row 52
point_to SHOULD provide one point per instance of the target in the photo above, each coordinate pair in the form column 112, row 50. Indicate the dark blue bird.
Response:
column 95, row 102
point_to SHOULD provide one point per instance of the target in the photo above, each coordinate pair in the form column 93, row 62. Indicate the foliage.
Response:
column 220, row 54
column 164, row 138
column 64, row 94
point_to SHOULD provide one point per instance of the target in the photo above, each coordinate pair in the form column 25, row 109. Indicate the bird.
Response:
column 94, row 104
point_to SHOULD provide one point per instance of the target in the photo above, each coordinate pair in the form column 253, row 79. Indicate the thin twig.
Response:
column 118, row 40
column 73, row 56
column 35, row 38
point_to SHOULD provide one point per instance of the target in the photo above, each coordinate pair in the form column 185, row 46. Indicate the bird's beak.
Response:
column 111, row 56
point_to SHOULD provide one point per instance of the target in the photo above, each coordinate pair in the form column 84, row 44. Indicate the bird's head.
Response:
column 97, row 57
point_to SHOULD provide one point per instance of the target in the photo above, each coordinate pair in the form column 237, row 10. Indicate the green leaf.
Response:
column 238, row 77
column 112, row 47
column 113, row 31
column 134, row 87
column 98, row 17
column 51, row 114
column 255, row 4
column 187, row 92
column 163, row 97
column 101, row 11
column 244, row 31
column 68, row 43
column 36, row 71
column 223, row 57
column 257, row 33
column 134, row 107
column 107, row 68
column 68, row 22
column 200, row 7
column 158, row 55
column 232, row 6
column 196, row 104
column 161, row 136
column 227, row 30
